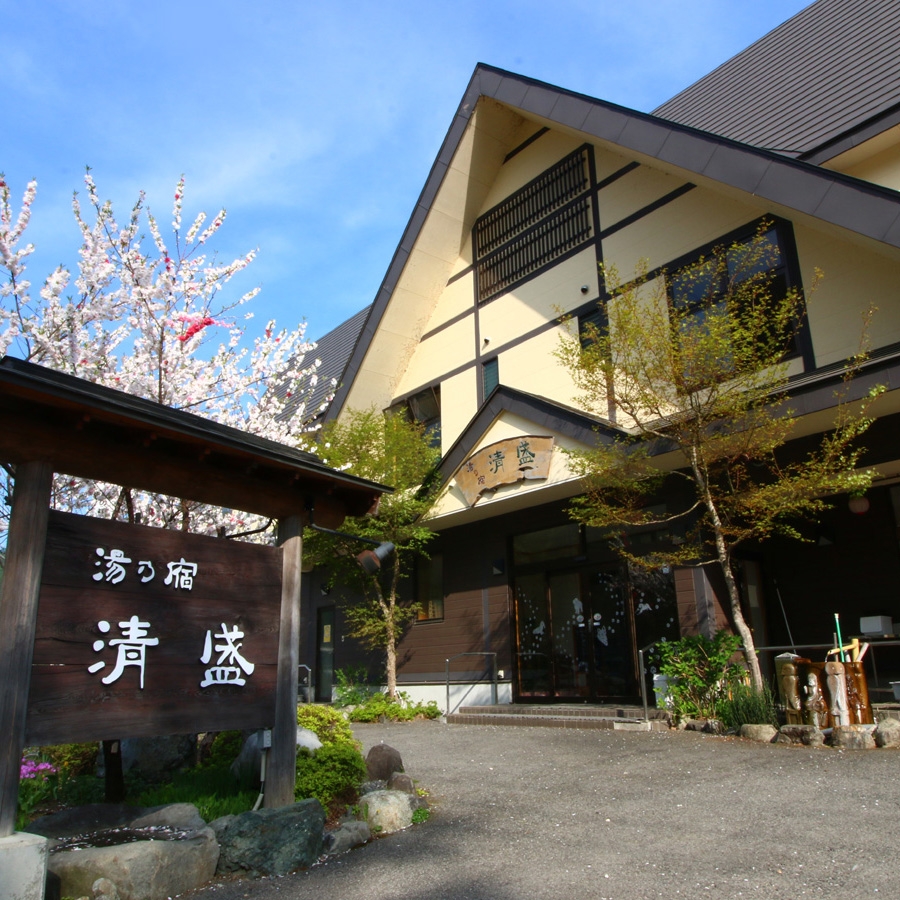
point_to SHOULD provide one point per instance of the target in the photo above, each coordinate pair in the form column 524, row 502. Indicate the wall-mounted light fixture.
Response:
column 370, row 560
column 858, row 504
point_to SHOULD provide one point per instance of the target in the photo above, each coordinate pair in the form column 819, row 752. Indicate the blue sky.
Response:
column 313, row 123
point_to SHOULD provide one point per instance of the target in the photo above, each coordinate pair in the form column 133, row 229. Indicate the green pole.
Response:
column 837, row 625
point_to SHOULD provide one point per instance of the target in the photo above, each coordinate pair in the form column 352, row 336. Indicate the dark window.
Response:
column 591, row 324
column 490, row 371
column 430, row 588
column 559, row 542
column 534, row 227
column 717, row 283
column 424, row 407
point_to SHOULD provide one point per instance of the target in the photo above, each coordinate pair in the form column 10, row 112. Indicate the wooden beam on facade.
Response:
column 18, row 617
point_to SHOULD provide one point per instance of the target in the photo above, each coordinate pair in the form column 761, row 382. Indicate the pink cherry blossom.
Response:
column 154, row 316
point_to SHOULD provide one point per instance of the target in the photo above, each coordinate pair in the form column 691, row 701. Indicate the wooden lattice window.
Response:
column 534, row 227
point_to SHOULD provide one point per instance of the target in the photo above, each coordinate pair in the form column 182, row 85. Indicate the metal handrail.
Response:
column 309, row 684
column 641, row 653
column 493, row 675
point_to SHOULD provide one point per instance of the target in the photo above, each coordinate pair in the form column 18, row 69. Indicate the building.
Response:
column 534, row 186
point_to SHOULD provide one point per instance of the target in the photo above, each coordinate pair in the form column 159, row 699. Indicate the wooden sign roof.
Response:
column 90, row 431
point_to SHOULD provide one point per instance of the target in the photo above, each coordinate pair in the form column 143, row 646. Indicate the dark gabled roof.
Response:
column 858, row 206
column 555, row 418
column 812, row 88
column 334, row 349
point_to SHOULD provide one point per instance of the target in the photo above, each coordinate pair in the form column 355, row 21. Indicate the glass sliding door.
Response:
column 574, row 634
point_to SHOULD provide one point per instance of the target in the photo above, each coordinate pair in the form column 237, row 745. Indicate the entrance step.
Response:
column 614, row 717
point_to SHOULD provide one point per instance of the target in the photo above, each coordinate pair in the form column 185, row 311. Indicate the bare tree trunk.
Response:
column 391, row 665
column 740, row 623
column 724, row 558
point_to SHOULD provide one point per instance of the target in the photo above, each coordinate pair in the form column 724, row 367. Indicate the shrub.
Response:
column 380, row 706
column 352, row 687
column 700, row 672
column 746, row 706
column 333, row 773
column 329, row 725
column 224, row 749
column 72, row 759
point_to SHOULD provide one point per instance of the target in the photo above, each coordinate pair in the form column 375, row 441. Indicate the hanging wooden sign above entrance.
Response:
column 505, row 462
column 145, row 631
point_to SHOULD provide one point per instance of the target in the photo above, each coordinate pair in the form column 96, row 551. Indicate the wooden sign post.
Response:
column 18, row 618
column 134, row 631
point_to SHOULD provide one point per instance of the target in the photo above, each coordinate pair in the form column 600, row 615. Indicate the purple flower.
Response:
column 31, row 769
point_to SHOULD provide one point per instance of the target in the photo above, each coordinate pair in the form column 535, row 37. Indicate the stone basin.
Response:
column 148, row 854
column 113, row 837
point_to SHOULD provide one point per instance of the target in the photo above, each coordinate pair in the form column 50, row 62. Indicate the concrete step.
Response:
column 618, row 718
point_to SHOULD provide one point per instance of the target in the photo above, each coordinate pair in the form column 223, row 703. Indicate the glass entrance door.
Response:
column 575, row 635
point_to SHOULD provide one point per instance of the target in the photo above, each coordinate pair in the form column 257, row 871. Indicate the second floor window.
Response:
column 732, row 300
column 534, row 228
column 424, row 407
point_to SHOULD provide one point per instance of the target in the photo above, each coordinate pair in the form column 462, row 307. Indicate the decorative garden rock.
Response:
column 156, row 757
column 400, row 781
column 248, row 762
column 887, row 734
column 808, row 735
column 183, row 816
column 764, row 734
column 389, row 811
column 272, row 841
column 382, row 761
column 104, row 889
column 144, row 870
column 347, row 836
column 853, row 737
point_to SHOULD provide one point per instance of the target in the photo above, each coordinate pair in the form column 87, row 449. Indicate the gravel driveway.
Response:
column 555, row 813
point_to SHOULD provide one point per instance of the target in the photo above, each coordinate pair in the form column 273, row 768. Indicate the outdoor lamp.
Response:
column 371, row 560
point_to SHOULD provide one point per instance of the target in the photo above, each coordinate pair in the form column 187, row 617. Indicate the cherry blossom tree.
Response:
column 156, row 316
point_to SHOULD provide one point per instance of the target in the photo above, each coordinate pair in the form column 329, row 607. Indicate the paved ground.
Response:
column 551, row 813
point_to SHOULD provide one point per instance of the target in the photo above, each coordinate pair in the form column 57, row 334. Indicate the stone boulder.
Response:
column 389, row 811
column 347, row 836
column 763, row 734
column 400, row 781
column 272, row 841
column 382, row 761
column 808, row 735
column 247, row 764
column 156, row 757
column 853, row 737
column 143, row 870
column 887, row 734
column 183, row 816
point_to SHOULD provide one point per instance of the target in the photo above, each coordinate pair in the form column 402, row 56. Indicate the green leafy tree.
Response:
column 391, row 450
column 693, row 367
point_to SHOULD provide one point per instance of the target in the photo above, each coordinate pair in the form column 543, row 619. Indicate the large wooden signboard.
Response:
column 144, row 631
column 505, row 462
